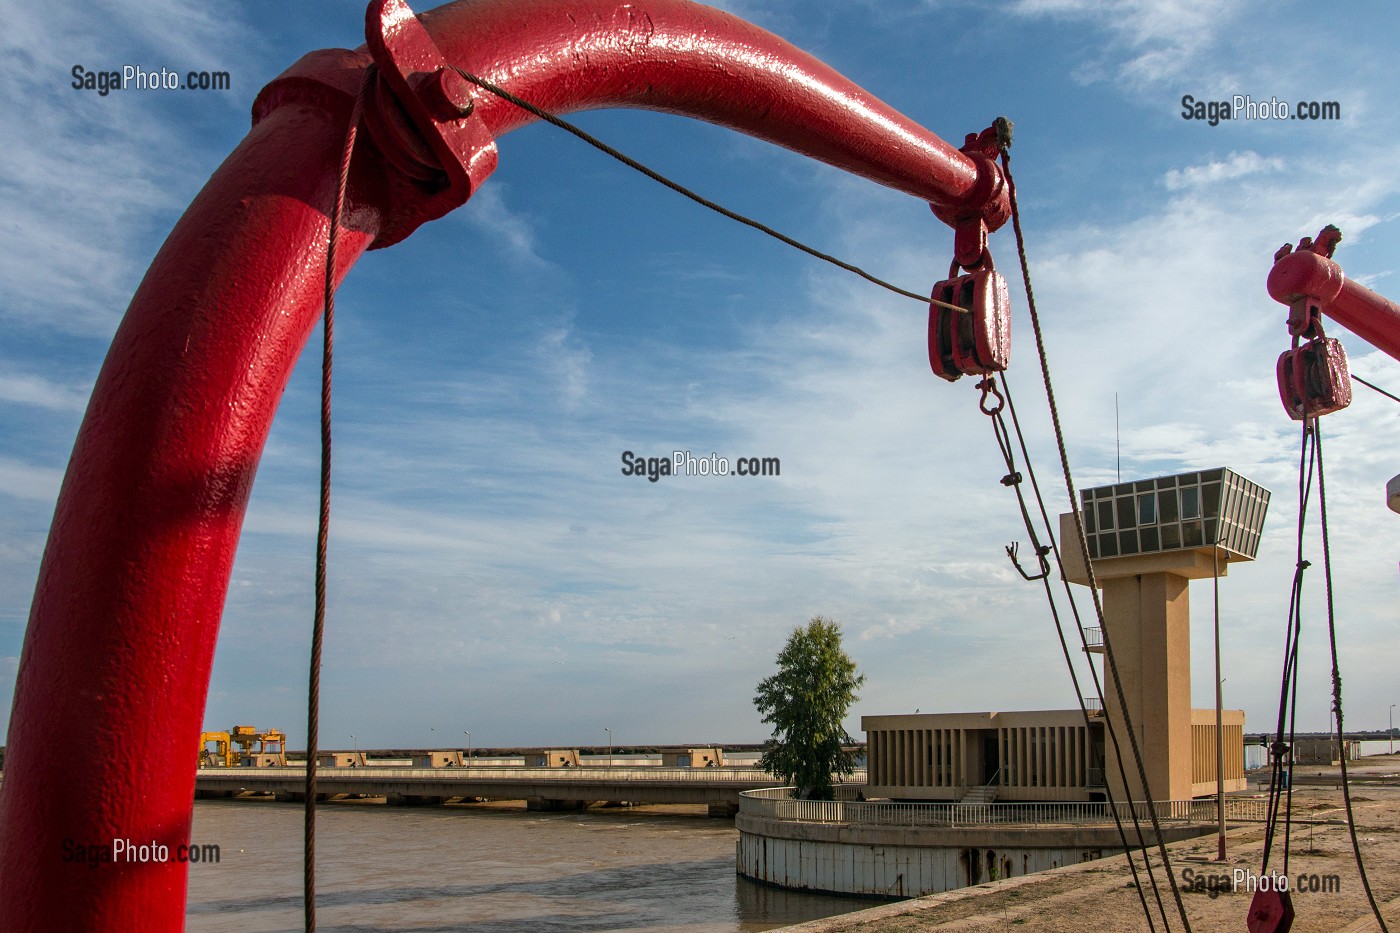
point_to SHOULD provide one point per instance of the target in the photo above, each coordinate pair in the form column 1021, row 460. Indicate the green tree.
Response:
column 806, row 702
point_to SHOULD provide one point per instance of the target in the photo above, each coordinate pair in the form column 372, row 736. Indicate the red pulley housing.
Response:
column 1270, row 912
column 1314, row 378
column 976, row 340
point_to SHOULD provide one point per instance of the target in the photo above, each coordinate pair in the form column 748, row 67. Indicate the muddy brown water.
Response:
column 491, row 869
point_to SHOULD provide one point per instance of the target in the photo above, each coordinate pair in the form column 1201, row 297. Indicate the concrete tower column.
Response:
column 1147, row 618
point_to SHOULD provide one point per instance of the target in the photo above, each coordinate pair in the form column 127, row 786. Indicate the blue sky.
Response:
column 493, row 571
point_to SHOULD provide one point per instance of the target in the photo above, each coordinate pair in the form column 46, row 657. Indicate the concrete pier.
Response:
column 884, row 849
column 542, row 788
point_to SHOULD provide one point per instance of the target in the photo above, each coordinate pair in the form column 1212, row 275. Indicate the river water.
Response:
column 485, row 868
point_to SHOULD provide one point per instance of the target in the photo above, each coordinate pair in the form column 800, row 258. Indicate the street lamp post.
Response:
column 609, row 732
column 469, row 743
column 1219, row 718
column 1391, row 733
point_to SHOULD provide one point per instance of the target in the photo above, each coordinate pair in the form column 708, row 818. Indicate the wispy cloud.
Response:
column 1236, row 165
column 569, row 359
column 489, row 213
column 90, row 181
column 23, row 389
column 27, row 481
column 1149, row 41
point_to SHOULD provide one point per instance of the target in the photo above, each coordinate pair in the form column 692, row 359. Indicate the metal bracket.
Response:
column 419, row 114
column 986, row 206
column 1305, row 318
column 1305, row 313
column 1313, row 378
column 1041, row 550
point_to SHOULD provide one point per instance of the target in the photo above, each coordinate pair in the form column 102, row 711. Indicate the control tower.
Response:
column 1147, row 540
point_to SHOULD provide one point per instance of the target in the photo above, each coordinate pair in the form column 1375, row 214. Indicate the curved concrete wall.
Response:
column 843, row 858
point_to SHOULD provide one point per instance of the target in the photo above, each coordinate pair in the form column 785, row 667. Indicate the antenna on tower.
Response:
column 1117, row 441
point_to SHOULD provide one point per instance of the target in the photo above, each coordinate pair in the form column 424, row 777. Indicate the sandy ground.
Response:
column 1098, row 897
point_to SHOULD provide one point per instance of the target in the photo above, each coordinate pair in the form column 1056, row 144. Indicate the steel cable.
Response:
column 680, row 189
column 1128, row 849
column 318, row 625
column 1079, row 529
column 1109, row 728
column 1288, row 682
column 1337, row 678
column 1371, row 385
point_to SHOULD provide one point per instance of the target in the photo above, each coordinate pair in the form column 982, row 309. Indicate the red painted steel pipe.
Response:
column 115, row 667
column 693, row 60
column 1305, row 274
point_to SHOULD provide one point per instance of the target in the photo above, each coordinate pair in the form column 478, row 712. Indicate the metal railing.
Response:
column 777, row 803
column 1093, row 706
column 516, row 773
column 1093, row 636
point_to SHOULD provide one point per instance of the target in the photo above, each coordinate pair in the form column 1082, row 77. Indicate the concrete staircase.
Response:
column 983, row 793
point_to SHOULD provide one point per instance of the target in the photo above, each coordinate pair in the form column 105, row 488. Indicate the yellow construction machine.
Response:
column 242, row 743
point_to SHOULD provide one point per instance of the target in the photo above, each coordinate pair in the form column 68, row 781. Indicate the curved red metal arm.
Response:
column 1314, row 378
column 1306, row 275
column 116, row 659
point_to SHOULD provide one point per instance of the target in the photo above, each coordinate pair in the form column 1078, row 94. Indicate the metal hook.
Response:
column 988, row 385
column 1040, row 552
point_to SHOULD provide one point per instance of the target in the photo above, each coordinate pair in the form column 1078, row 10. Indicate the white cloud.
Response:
column 28, row 481
column 91, row 179
column 1151, row 41
column 488, row 211
column 1236, row 165
column 178, row 34
column 563, row 354
column 37, row 391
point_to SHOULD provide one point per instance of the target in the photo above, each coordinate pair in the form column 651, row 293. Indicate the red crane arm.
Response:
column 115, row 667
column 696, row 61
column 1305, row 274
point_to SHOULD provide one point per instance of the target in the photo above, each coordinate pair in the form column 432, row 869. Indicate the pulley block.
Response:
column 1270, row 912
column 1313, row 378
column 976, row 339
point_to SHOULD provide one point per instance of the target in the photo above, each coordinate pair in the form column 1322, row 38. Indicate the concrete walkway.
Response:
column 1098, row 897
